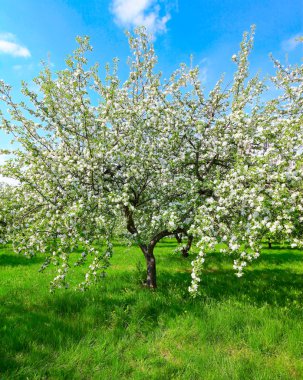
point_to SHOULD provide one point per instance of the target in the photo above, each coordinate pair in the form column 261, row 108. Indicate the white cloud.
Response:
column 9, row 45
column 132, row 13
column 291, row 43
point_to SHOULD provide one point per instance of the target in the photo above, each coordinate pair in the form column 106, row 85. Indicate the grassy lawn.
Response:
column 247, row 328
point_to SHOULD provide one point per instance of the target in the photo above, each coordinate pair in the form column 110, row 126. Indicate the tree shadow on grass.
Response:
column 168, row 243
column 276, row 287
column 14, row 259
column 280, row 258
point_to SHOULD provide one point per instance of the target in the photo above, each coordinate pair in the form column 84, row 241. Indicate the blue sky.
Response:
column 31, row 31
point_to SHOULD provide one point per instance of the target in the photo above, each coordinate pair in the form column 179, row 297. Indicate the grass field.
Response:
column 248, row 328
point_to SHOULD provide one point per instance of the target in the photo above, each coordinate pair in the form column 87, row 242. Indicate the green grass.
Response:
column 248, row 328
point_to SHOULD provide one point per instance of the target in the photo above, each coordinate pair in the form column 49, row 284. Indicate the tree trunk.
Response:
column 269, row 244
column 148, row 251
column 151, row 279
column 178, row 238
column 186, row 249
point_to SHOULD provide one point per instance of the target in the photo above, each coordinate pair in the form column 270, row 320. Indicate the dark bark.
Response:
column 148, row 250
column 178, row 238
column 269, row 244
column 185, row 250
column 151, row 273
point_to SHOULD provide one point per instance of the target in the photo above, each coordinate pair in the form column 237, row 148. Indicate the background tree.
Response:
column 7, row 208
column 261, row 197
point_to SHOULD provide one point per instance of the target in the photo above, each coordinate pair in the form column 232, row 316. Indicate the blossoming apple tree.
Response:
column 81, row 166
column 158, row 157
